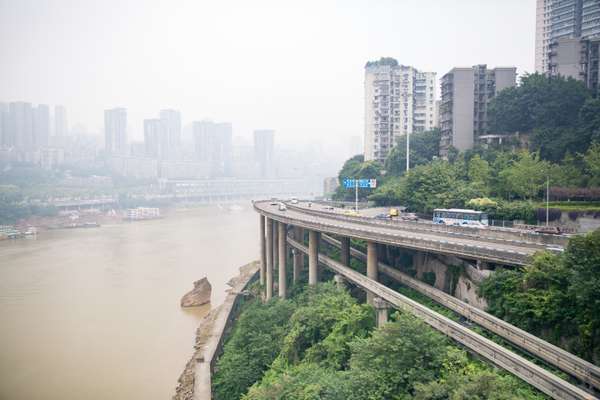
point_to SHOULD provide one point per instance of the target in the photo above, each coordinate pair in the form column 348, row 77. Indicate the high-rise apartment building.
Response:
column 590, row 19
column 542, row 34
column 115, row 131
column 213, row 144
column 263, row 152
column 560, row 24
column 41, row 126
column 172, row 122
column 20, row 126
column 399, row 100
column 61, row 128
column 3, row 124
column 156, row 138
column 466, row 93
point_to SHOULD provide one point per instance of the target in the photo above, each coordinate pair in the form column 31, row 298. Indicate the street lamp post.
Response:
column 356, row 194
column 547, row 198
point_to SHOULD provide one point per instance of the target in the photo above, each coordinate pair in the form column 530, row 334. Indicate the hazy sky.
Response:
column 294, row 66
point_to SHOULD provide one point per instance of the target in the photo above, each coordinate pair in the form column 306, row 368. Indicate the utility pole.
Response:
column 407, row 151
column 547, row 198
column 356, row 194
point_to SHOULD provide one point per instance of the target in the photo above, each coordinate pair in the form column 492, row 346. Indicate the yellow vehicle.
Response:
column 351, row 213
column 393, row 212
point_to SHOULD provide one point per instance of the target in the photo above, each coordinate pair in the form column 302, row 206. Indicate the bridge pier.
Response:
column 372, row 268
column 381, row 308
column 297, row 256
column 263, row 250
column 345, row 251
column 275, row 243
column 270, row 252
column 313, row 257
column 282, row 260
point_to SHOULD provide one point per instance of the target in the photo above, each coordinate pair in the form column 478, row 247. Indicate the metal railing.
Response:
column 569, row 363
column 399, row 238
column 490, row 233
column 541, row 379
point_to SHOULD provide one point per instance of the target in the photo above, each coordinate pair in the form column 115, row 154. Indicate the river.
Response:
column 94, row 313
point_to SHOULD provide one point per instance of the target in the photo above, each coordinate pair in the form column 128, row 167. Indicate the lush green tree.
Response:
column 569, row 173
column 589, row 121
column 479, row 170
column 582, row 260
column 424, row 147
column 525, row 177
column 398, row 356
column 461, row 379
column 538, row 102
column 592, row 164
column 557, row 296
column 305, row 381
column 253, row 345
column 427, row 187
column 321, row 327
column 357, row 168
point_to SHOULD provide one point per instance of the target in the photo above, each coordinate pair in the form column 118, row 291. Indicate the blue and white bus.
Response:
column 457, row 216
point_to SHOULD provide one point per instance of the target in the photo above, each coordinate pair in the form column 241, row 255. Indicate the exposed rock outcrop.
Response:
column 195, row 381
column 199, row 295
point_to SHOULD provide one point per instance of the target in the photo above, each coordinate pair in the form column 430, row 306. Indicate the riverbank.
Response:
column 195, row 380
column 111, row 296
column 93, row 218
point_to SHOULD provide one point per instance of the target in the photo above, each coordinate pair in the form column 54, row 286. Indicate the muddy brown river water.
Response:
column 94, row 313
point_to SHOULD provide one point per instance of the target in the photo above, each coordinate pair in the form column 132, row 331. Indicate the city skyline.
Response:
column 215, row 81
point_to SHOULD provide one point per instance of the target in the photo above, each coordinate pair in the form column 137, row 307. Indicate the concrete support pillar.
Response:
column 340, row 281
column 313, row 257
column 345, row 251
column 263, row 250
column 381, row 308
column 297, row 256
column 372, row 267
column 481, row 265
column 269, row 272
column 275, row 244
column 282, row 260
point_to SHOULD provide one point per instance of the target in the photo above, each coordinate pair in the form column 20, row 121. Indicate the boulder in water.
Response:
column 199, row 295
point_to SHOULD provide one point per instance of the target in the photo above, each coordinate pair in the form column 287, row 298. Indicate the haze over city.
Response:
column 295, row 67
column 310, row 199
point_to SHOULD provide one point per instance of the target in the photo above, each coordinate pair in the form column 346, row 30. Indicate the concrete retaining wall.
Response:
column 195, row 381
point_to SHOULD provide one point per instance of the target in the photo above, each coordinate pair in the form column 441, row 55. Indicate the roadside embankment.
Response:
column 195, row 381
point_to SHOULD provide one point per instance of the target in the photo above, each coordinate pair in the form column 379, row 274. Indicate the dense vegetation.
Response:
column 14, row 207
column 557, row 297
column 562, row 121
column 325, row 346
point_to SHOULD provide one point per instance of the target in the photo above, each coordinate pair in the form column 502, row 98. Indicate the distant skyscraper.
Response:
column 115, row 131
column 21, row 126
column 466, row 93
column 172, row 123
column 3, row 124
column 61, row 128
column 155, row 138
column 263, row 152
column 399, row 100
column 41, row 126
column 213, row 144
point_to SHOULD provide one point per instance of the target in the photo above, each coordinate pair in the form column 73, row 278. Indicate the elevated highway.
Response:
column 426, row 238
column 553, row 355
column 535, row 375
column 274, row 225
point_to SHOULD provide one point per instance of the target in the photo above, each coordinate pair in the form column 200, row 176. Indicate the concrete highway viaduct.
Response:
column 281, row 230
